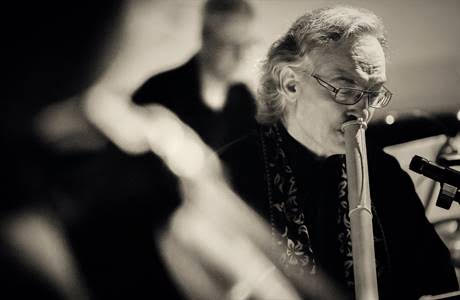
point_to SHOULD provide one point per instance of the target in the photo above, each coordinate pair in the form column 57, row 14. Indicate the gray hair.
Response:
column 315, row 30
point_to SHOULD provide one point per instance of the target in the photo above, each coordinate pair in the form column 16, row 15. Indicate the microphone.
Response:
column 448, row 177
column 427, row 168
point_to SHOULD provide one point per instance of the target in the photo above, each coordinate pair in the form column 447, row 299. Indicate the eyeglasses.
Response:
column 351, row 96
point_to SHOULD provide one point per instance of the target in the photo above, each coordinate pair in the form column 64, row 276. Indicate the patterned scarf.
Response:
column 287, row 216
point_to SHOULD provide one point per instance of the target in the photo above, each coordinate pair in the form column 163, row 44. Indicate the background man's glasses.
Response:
column 351, row 96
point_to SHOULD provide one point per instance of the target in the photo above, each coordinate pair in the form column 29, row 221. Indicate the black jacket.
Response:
column 419, row 263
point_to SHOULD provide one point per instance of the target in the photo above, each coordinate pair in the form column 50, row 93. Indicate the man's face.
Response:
column 227, row 45
column 360, row 64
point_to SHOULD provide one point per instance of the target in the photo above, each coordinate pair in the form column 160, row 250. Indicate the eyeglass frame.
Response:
column 335, row 90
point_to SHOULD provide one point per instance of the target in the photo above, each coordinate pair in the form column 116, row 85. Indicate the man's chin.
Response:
column 339, row 150
column 336, row 148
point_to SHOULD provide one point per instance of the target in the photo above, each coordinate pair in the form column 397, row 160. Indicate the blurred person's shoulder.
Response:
column 244, row 165
column 242, row 150
column 243, row 158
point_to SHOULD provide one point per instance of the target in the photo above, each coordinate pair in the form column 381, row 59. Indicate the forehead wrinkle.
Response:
column 350, row 69
column 369, row 63
column 365, row 62
column 357, row 59
column 367, row 56
column 371, row 72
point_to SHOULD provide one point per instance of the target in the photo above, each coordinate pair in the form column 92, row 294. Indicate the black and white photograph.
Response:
column 230, row 150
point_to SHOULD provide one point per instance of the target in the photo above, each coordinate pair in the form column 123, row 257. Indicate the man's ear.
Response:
column 289, row 83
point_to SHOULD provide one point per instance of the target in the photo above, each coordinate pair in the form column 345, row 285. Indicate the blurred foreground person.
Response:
column 52, row 54
column 327, row 69
column 205, row 92
column 81, row 219
column 77, row 213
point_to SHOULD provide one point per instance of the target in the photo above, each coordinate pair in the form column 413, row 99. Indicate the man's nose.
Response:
column 360, row 110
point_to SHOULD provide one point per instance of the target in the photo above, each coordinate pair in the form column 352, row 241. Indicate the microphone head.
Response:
column 417, row 163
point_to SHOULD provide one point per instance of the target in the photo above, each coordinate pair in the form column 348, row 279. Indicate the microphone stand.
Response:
column 360, row 212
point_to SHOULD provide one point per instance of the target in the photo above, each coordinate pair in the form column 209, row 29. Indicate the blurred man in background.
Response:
column 205, row 92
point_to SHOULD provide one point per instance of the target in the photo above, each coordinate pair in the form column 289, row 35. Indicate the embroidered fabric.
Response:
column 343, row 221
column 288, row 218
column 286, row 215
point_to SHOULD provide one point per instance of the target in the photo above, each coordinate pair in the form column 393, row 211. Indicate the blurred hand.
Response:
column 216, row 247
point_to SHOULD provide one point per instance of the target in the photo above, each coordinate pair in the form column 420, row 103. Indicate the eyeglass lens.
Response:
column 352, row 96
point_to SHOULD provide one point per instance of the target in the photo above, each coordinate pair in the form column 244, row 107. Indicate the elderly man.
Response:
column 205, row 92
column 327, row 69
